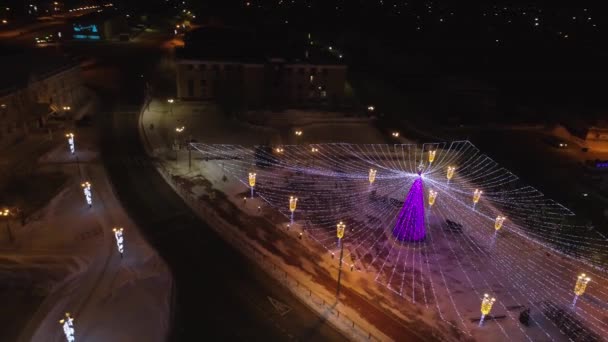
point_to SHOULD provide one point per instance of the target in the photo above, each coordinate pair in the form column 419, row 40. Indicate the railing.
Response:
column 326, row 309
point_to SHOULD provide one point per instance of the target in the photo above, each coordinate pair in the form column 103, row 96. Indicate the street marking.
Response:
column 282, row 308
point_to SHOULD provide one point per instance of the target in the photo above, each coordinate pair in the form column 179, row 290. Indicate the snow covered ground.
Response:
column 437, row 285
column 68, row 251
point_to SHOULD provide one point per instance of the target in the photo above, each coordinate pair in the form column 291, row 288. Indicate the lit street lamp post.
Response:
column 86, row 188
column 170, row 101
column 71, row 142
column 340, row 233
column 176, row 143
column 476, row 196
column 314, row 151
column 119, row 240
column 450, row 173
column 6, row 213
column 68, row 327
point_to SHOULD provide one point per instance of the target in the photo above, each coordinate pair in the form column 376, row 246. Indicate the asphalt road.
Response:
column 219, row 295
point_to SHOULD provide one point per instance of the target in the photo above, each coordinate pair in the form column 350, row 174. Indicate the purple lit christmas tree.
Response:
column 410, row 222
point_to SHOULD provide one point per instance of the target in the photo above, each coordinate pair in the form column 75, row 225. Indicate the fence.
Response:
column 325, row 308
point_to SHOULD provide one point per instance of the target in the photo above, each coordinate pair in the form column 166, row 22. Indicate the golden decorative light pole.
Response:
column 450, row 173
column 432, row 197
column 499, row 221
column 476, row 196
column 432, row 156
column 293, row 202
column 340, row 233
column 6, row 213
column 372, row 176
column 486, row 307
column 580, row 287
column 252, row 182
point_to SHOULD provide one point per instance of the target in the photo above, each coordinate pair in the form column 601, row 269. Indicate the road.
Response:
column 219, row 294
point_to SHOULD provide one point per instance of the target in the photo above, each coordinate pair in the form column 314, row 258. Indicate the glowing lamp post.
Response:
column 486, row 307
column 372, row 176
column 293, row 202
column 580, row 287
column 432, row 156
column 340, row 233
column 119, row 240
column 86, row 188
column 6, row 213
column 476, row 196
column 498, row 222
column 71, row 143
column 170, row 102
column 314, row 151
column 395, row 134
column 432, row 197
column 450, row 173
column 252, row 182
column 68, row 327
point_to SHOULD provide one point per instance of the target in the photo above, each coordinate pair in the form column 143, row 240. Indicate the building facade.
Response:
column 274, row 81
column 27, row 107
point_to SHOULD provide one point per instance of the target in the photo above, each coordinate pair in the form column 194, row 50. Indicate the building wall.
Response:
column 20, row 109
column 262, row 83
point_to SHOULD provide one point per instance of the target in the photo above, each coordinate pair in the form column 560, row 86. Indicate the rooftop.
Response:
column 229, row 44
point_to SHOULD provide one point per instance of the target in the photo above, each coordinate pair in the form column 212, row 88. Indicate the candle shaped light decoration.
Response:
column 432, row 197
column 580, row 287
column 486, row 306
column 450, row 173
column 252, row 182
column 432, row 156
column 476, row 196
column 372, row 176
column 293, row 202
column 499, row 221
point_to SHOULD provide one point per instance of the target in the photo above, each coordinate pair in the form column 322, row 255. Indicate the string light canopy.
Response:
column 442, row 259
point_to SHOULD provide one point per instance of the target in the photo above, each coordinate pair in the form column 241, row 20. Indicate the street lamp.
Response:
column 432, row 197
column 6, row 213
column 86, row 188
column 67, row 108
column 71, row 142
column 279, row 150
column 396, row 134
column 68, row 327
column 476, row 196
column 372, row 176
column 314, row 151
column 450, row 173
column 340, row 233
column 119, row 240
column 580, row 287
column 298, row 133
column 486, row 307
column 293, row 202
column 252, row 182
column 432, row 156
column 176, row 143
column 170, row 101
column 371, row 108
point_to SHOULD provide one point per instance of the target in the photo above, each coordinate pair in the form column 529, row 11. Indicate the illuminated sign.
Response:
column 86, row 32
